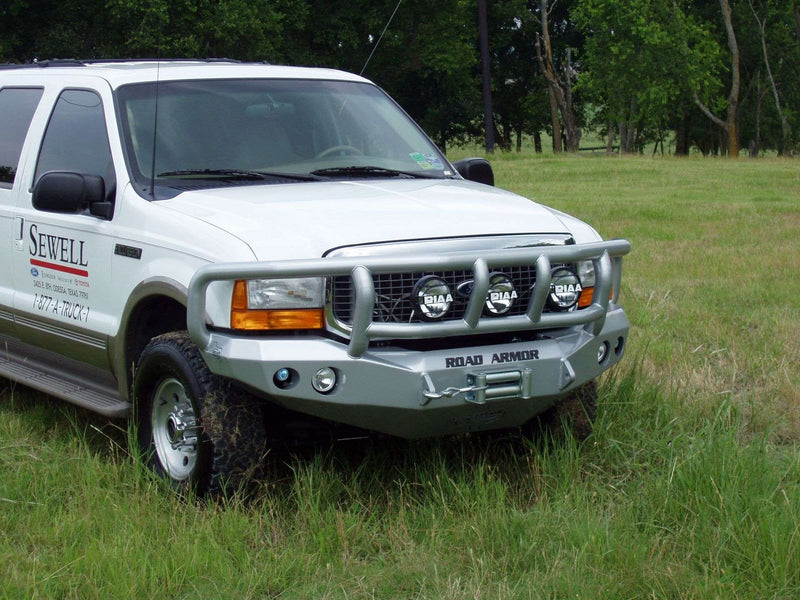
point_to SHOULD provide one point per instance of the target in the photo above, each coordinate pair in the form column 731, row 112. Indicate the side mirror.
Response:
column 65, row 192
column 475, row 169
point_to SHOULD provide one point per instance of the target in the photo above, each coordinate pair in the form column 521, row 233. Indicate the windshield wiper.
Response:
column 369, row 171
column 236, row 174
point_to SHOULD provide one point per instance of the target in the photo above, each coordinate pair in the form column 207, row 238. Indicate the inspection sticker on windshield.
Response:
column 427, row 161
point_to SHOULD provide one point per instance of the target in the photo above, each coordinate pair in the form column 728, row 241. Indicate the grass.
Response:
column 689, row 486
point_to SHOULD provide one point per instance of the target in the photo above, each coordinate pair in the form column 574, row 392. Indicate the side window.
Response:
column 76, row 139
column 17, row 106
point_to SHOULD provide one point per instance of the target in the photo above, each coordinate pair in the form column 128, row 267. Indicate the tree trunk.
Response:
column 729, row 124
column 796, row 11
column 682, row 137
column 557, row 148
column 762, row 24
column 630, row 143
column 610, row 142
column 733, row 97
column 757, row 142
column 488, row 118
column 559, row 86
column 537, row 142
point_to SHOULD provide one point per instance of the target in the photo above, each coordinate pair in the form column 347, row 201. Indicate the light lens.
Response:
column 602, row 352
column 293, row 304
column 432, row 297
column 586, row 273
column 565, row 290
column 324, row 380
column 274, row 294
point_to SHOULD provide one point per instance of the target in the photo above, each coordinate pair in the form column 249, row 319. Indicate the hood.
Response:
column 305, row 220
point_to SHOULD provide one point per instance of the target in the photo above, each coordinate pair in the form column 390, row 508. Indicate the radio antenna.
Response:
column 380, row 37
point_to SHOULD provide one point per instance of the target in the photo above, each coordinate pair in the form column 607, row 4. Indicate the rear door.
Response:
column 18, row 104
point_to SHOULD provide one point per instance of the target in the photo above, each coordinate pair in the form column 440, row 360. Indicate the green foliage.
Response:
column 642, row 57
column 689, row 486
column 638, row 62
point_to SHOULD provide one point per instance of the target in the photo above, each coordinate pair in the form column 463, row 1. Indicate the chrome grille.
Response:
column 393, row 294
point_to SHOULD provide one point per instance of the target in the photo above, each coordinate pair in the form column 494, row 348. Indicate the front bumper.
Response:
column 415, row 394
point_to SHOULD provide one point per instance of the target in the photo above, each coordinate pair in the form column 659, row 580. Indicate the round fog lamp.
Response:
column 283, row 378
column 324, row 380
column 565, row 290
column 602, row 352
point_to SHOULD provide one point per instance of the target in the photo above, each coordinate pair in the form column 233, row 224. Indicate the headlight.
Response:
column 284, row 293
column 586, row 273
column 278, row 304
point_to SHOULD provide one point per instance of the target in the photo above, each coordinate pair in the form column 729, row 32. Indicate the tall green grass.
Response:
column 689, row 486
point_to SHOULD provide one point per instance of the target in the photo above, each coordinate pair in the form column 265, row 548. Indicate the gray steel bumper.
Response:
column 417, row 394
column 420, row 394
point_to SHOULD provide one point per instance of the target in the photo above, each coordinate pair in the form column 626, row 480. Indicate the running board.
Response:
column 64, row 378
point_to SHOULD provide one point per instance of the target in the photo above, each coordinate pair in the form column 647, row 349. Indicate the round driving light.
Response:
column 431, row 297
column 324, row 380
column 502, row 294
column 565, row 290
column 283, row 378
column 602, row 352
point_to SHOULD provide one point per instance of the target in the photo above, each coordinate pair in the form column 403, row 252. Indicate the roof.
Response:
column 120, row 72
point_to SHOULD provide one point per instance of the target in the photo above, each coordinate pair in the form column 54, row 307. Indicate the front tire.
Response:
column 575, row 413
column 195, row 429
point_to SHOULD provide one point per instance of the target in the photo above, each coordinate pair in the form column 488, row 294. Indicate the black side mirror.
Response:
column 475, row 169
column 65, row 192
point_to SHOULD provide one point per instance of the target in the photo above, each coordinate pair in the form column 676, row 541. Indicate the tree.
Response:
column 427, row 59
column 729, row 124
column 559, row 79
column 784, row 119
column 519, row 94
column 633, row 67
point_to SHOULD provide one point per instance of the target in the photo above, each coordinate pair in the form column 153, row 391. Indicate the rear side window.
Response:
column 17, row 106
column 76, row 139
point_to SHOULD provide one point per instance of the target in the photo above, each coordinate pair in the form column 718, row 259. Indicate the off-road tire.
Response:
column 173, row 384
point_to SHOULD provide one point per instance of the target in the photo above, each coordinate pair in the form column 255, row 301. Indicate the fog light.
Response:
column 283, row 378
column 565, row 290
column 324, row 380
column 602, row 352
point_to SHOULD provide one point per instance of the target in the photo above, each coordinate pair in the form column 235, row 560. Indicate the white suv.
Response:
column 248, row 255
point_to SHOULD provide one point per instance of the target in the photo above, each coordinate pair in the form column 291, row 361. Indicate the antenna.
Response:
column 380, row 37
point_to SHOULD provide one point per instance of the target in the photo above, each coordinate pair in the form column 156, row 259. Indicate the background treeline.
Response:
column 675, row 75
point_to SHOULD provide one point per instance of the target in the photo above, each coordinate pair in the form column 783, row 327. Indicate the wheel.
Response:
column 195, row 429
column 343, row 148
column 577, row 410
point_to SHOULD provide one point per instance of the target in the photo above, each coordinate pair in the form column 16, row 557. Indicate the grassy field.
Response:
column 689, row 486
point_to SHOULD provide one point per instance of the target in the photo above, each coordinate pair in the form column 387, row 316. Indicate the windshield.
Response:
column 211, row 133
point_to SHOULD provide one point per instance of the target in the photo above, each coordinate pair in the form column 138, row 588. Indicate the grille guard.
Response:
column 606, row 257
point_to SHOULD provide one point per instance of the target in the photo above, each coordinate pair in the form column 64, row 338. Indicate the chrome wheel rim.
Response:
column 175, row 427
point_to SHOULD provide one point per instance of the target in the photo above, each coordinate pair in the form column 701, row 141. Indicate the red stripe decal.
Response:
column 57, row 267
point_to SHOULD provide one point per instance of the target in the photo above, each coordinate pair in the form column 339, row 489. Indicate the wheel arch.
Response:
column 156, row 306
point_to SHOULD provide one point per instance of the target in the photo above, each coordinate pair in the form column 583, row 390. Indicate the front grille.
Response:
column 393, row 294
